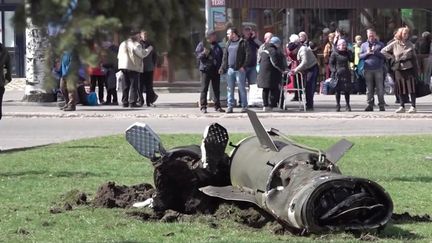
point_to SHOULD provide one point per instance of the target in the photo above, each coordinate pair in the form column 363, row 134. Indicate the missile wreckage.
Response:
column 301, row 187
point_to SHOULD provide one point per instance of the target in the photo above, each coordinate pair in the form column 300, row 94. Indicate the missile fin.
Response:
column 335, row 152
column 262, row 135
column 229, row 193
column 144, row 140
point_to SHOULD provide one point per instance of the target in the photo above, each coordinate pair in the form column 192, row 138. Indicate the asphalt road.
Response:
column 29, row 132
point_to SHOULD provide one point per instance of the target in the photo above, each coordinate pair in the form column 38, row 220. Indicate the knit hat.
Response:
column 275, row 41
column 294, row 38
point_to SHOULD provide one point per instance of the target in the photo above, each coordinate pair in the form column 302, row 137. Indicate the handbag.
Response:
column 422, row 88
column 405, row 64
column 333, row 82
column 255, row 95
column 92, row 99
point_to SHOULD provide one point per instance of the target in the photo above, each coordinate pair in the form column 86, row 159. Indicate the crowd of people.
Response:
column 360, row 66
column 245, row 60
column 128, row 67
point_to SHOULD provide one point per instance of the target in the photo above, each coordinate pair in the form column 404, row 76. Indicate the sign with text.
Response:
column 217, row 3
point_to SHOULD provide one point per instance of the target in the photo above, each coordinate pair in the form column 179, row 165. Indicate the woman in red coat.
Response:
column 97, row 76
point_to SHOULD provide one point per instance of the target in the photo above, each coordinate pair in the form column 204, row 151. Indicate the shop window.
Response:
column 9, row 34
column 13, row 1
column 268, row 17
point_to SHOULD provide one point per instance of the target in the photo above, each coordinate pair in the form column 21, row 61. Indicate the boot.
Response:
column 348, row 107
column 338, row 107
column 70, row 108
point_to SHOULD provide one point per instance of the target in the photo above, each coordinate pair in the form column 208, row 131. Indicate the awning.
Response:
column 328, row 4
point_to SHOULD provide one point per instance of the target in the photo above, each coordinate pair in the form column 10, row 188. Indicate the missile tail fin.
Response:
column 144, row 140
column 335, row 152
column 229, row 193
column 262, row 135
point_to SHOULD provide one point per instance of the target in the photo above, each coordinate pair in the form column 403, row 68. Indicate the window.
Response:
column 9, row 35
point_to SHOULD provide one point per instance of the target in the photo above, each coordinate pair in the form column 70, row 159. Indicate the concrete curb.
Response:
column 273, row 115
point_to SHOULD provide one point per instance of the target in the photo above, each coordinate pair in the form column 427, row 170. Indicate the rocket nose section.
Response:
column 347, row 204
column 332, row 204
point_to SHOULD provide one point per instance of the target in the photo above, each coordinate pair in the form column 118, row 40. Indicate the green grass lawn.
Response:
column 32, row 181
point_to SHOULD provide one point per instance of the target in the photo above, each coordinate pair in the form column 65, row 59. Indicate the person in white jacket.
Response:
column 130, row 62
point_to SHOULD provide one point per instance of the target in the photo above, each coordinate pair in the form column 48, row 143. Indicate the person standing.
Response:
column 4, row 77
column 253, row 45
column 373, row 69
column 209, row 55
column 424, row 49
column 130, row 62
column 303, row 38
column 146, row 77
column 358, row 69
column 402, row 55
column 328, row 48
column 308, row 66
column 110, row 66
column 235, row 58
column 97, row 76
column 272, row 65
column 340, row 70
column 69, row 62
column 267, row 37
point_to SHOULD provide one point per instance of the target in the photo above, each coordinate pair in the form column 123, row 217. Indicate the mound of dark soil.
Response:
column 110, row 195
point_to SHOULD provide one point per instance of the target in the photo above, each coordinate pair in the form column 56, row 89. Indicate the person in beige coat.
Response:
column 401, row 53
column 130, row 62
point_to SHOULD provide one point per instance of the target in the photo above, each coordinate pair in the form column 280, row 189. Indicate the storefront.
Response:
column 12, row 40
column 312, row 16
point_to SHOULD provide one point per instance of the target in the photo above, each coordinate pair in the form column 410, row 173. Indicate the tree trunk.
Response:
column 36, row 57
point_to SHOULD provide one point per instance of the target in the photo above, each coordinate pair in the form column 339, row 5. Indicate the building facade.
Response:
column 13, row 41
column 312, row 16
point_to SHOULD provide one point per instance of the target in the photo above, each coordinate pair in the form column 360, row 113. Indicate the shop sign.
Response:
column 217, row 3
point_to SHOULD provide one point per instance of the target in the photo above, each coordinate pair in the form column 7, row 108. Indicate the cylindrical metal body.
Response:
column 294, row 186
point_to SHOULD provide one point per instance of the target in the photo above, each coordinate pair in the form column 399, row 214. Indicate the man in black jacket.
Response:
column 146, row 77
column 253, row 45
column 209, row 54
column 234, row 61
column 4, row 77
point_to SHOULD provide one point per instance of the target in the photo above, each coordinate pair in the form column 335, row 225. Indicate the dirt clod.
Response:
column 22, row 231
column 56, row 210
column 110, row 195
column 75, row 197
column 170, row 216
column 169, row 234
column 368, row 237
column 67, row 207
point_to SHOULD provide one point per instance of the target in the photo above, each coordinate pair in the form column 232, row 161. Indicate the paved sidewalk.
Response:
column 185, row 105
column 34, row 124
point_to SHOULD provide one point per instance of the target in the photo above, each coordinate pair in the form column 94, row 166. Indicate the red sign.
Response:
column 217, row 3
